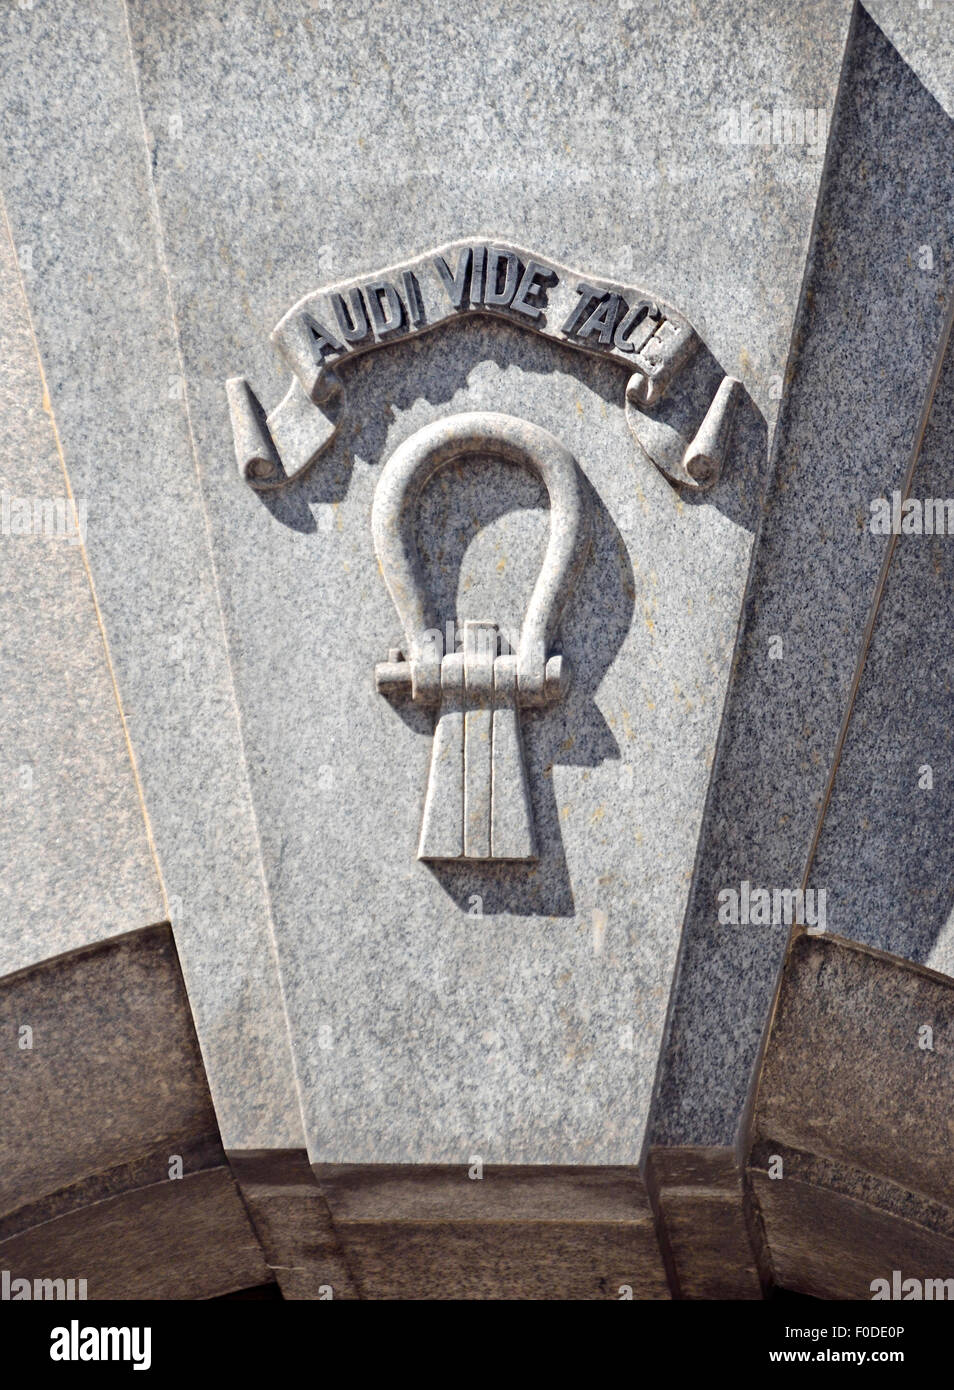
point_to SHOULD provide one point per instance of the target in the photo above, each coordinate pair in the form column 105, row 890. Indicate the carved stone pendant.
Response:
column 477, row 805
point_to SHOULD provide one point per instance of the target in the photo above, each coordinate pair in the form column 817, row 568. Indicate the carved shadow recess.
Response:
column 652, row 341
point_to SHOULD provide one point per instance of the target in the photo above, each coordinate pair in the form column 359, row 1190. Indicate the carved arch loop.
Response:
column 540, row 677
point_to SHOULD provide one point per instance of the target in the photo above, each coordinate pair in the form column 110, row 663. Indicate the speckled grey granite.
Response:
column 601, row 135
column 422, row 1031
column 76, row 178
column 846, row 433
column 884, row 851
column 73, row 844
column 923, row 33
column 444, row 1009
column 175, row 180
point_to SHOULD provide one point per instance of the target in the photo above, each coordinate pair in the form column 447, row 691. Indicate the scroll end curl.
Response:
column 704, row 458
column 255, row 453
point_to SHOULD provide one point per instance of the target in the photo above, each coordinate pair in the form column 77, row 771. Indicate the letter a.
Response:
column 60, row 1344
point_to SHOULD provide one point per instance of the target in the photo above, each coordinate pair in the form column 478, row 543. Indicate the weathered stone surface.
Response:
column 832, row 1246
column 883, row 855
column 512, row 1233
column 76, row 862
column 852, row 1121
column 182, row 1240
column 453, row 990
column 112, row 1071
column 842, row 438
column 80, row 203
column 710, row 1236
column 111, row 1167
column 846, row 1074
column 506, row 1260
column 494, row 991
column 395, row 194
column 291, row 1218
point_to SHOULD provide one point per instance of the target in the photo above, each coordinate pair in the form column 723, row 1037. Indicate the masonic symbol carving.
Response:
column 477, row 805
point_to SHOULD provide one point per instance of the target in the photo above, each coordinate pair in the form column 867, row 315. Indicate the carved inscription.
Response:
column 321, row 330
column 324, row 329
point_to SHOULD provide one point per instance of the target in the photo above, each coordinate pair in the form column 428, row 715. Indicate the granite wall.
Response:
column 496, row 1076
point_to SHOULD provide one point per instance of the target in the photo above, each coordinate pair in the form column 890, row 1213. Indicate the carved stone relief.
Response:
column 327, row 328
column 477, row 805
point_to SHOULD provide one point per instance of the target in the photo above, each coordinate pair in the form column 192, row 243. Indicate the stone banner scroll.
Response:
column 328, row 327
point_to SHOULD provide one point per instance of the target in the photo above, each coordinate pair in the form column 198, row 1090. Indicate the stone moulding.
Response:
column 477, row 805
column 459, row 279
